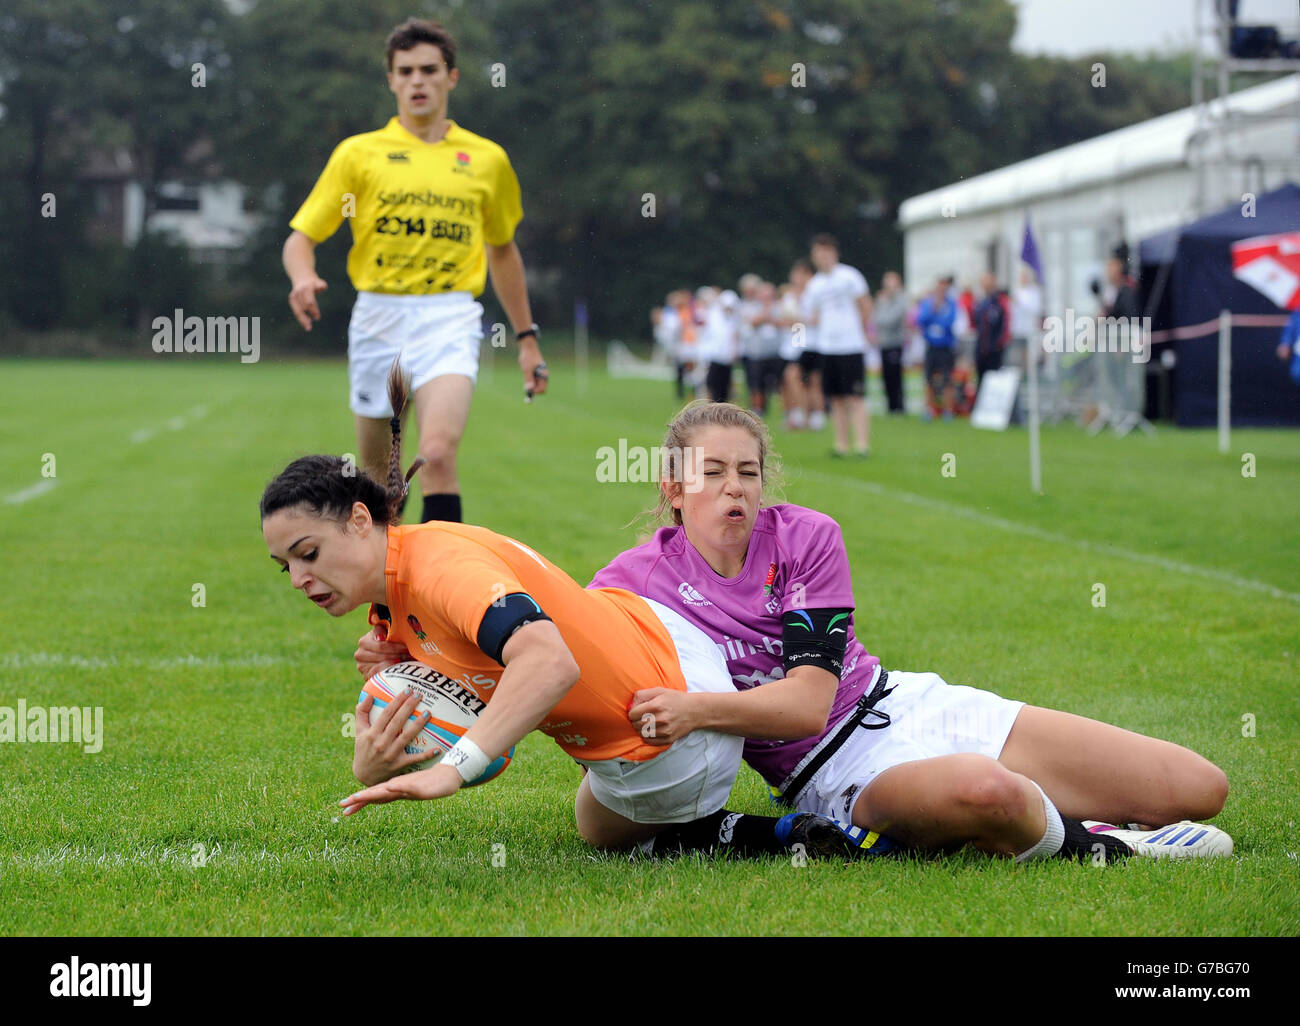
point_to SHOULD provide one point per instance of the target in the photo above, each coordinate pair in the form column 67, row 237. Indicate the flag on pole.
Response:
column 1270, row 264
column 1033, row 353
column 1029, row 252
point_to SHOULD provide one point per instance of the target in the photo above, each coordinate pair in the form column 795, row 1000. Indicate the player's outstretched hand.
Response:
column 380, row 748
column 374, row 653
column 302, row 300
column 436, row 782
column 661, row 715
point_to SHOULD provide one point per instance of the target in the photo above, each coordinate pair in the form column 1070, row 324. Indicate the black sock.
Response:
column 443, row 506
column 1080, row 844
column 740, row 834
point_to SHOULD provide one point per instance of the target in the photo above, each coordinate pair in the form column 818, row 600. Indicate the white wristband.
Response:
column 468, row 759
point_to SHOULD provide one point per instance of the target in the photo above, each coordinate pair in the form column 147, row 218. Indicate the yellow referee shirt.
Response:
column 420, row 212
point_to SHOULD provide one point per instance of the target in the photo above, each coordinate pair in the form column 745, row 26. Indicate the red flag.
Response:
column 1270, row 264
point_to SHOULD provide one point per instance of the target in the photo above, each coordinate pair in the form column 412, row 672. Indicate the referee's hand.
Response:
column 302, row 300
column 536, row 376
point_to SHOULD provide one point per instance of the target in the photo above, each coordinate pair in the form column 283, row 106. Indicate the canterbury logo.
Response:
column 728, row 827
column 691, row 596
column 399, row 157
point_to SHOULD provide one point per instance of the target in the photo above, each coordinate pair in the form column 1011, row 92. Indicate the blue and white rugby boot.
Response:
column 1184, row 840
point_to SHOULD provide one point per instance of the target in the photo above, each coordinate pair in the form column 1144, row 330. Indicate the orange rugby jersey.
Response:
column 441, row 578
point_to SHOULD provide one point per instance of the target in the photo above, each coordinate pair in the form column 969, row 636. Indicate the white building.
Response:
column 208, row 217
column 1082, row 200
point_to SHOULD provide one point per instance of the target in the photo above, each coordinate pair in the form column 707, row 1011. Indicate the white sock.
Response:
column 1053, row 837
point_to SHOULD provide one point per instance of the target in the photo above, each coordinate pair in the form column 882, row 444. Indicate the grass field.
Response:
column 211, row 807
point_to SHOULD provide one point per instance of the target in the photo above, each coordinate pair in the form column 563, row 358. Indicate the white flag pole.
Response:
column 1225, row 379
column 580, row 343
column 1033, row 345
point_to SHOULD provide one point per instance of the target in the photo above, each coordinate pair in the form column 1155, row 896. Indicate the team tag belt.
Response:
column 857, row 718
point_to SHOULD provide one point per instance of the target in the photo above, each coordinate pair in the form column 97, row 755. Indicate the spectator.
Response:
column 891, row 326
column 810, row 355
column 719, row 341
column 1289, row 347
column 1026, row 324
column 747, row 308
column 763, row 373
column 839, row 304
column 937, row 318
column 991, row 328
column 794, row 337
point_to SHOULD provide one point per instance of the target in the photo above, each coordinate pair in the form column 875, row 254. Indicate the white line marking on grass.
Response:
column 39, row 488
column 27, row 660
column 174, row 424
column 1029, row 531
column 183, row 857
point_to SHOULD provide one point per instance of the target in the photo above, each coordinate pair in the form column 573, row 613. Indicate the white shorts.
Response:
column 435, row 335
column 928, row 717
column 692, row 777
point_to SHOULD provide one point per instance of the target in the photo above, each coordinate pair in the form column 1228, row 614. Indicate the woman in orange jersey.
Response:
column 540, row 650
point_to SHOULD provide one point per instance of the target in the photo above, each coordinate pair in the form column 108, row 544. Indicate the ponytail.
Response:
column 397, row 483
column 329, row 486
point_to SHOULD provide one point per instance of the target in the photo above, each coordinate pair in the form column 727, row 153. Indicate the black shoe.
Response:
column 819, row 837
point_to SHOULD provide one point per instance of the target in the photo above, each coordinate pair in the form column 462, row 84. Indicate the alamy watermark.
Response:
column 639, row 464
column 181, row 334
column 37, row 724
column 1087, row 334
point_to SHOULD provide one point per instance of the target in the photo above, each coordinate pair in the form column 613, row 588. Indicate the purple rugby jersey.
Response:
column 744, row 620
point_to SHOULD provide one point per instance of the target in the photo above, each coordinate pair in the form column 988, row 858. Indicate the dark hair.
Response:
column 825, row 239
column 802, row 264
column 414, row 31
column 329, row 486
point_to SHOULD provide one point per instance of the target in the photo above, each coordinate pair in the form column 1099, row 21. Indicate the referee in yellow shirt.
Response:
column 433, row 208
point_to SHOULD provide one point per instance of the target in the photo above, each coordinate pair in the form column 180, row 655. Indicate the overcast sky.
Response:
column 1074, row 27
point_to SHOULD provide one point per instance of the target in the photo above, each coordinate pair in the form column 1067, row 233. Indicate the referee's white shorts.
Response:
column 928, row 717
column 691, row 777
column 435, row 335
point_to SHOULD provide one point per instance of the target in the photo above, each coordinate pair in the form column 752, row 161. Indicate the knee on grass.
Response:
column 1190, row 787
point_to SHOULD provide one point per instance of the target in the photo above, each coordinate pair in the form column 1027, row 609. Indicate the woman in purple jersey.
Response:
column 929, row 764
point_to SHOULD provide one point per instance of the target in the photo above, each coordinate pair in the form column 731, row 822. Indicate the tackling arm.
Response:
column 797, row 706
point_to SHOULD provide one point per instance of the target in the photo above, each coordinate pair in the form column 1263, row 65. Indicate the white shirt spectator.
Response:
column 668, row 331
column 763, row 341
column 719, row 337
column 1026, row 311
column 832, row 297
column 749, row 308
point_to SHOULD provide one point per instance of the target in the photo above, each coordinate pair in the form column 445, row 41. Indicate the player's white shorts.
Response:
column 435, row 335
column 928, row 717
column 693, row 776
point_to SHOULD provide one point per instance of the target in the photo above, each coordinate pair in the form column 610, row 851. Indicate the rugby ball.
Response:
column 452, row 707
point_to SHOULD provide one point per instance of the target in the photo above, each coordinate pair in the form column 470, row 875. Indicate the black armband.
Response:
column 815, row 637
column 503, row 617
